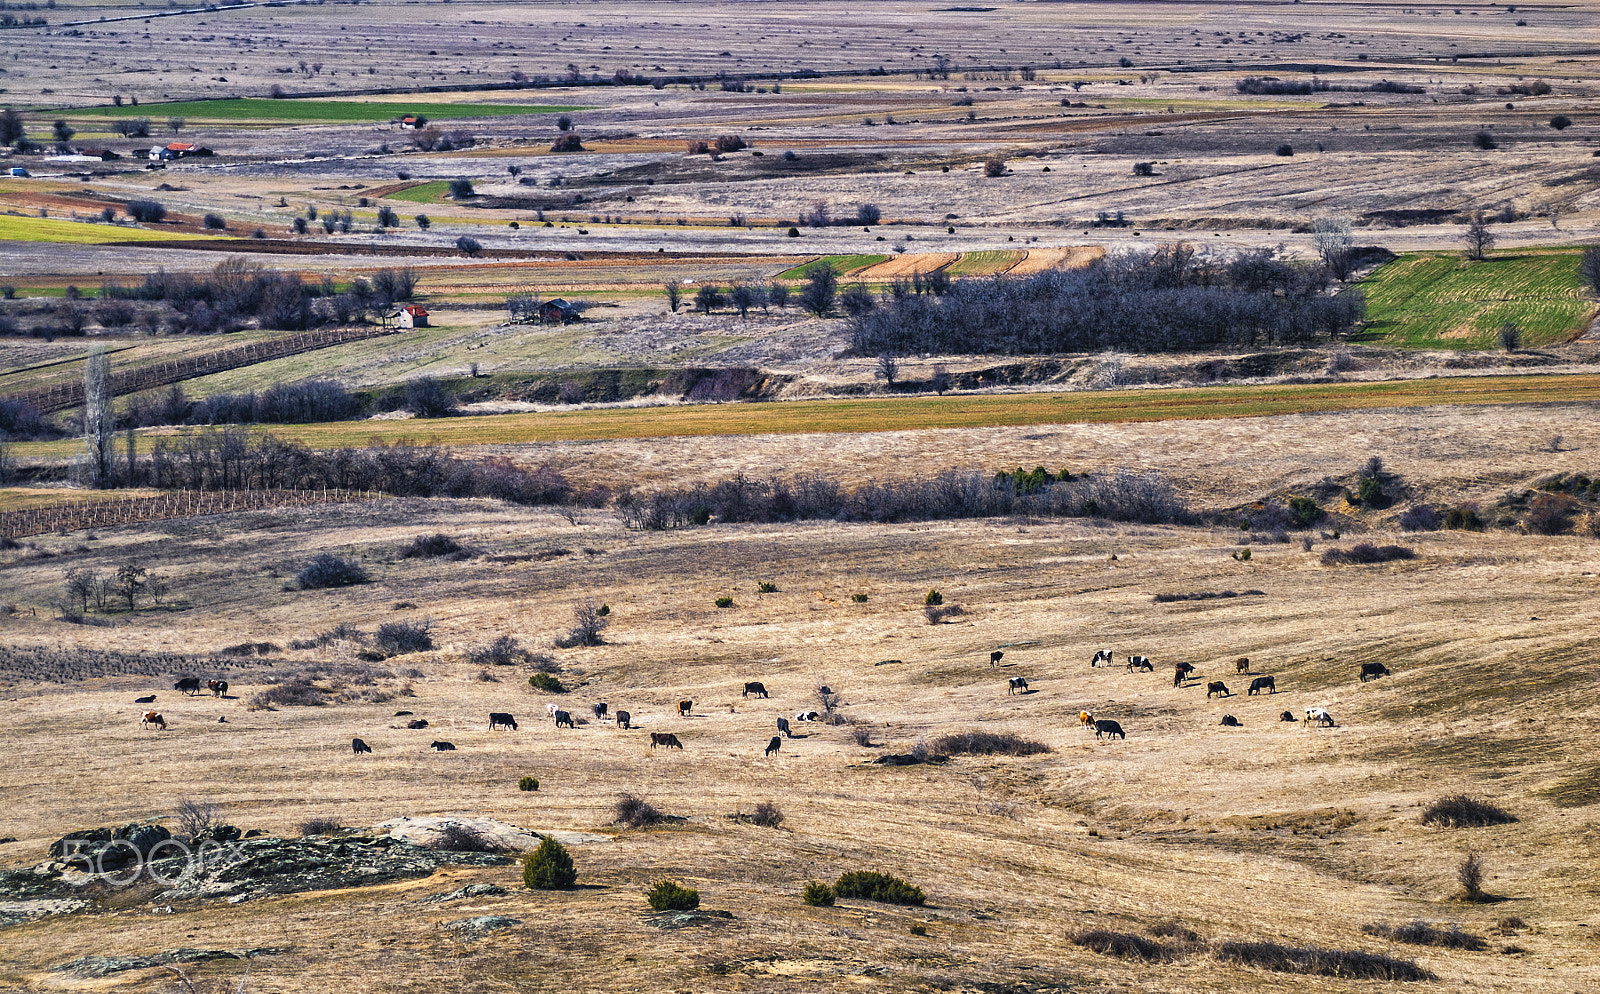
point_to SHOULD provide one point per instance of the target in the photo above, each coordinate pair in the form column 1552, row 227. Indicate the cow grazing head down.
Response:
column 500, row 718
column 1230, row 721
column 189, row 685
column 624, row 719
column 565, row 718
column 1217, row 687
column 775, row 744
column 665, row 740
column 358, row 747
column 153, row 718
column 443, row 747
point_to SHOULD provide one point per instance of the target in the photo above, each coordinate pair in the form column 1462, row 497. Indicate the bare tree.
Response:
column 589, row 620
column 888, row 369
column 674, row 295
column 1470, row 873
column 1478, row 238
column 131, row 579
column 176, row 124
column 1589, row 268
column 1333, row 239
column 99, row 422
column 829, row 697
column 195, row 817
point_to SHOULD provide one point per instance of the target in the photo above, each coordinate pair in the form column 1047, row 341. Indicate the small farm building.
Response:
column 410, row 316
column 557, row 311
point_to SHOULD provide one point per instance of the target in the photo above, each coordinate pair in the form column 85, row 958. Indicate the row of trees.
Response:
column 1122, row 495
column 1163, row 300
column 741, row 297
column 237, row 291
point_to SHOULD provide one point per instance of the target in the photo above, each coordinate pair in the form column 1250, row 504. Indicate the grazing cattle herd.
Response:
column 1103, row 728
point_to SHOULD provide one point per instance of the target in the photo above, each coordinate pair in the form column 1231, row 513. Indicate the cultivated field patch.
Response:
column 1444, row 301
column 249, row 109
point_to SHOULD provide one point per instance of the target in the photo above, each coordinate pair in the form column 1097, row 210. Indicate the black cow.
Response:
column 189, row 685
column 1373, row 671
column 1017, row 685
column 417, row 723
column 443, row 747
column 624, row 719
column 402, row 714
column 775, row 744
column 1105, row 726
column 1231, row 721
column 145, row 700
column 665, row 740
column 498, row 718
column 1218, row 687
column 783, row 726
column 564, row 718
column 995, row 657
column 600, row 711
column 755, row 688
column 358, row 747
column 1260, row 683
column 1287, row 716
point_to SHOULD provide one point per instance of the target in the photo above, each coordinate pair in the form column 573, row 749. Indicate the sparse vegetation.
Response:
column 431, row 546
column 528, row 783
column 319, row 826
column 1421, row 933
column 1363, row 553
column 400, row 637
column 547, row 683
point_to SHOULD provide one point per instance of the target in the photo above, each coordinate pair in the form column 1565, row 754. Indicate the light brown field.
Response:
column 906, row 264
column 1071, row 257
column 1271, row 831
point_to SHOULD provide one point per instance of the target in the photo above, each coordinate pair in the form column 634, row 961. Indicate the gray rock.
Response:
column 477, row 928
column 471, row 890
column 687, row 919
column 104, row 966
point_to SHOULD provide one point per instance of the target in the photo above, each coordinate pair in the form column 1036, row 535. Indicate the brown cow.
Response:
column 1217, row 687
column 1241, row 665
column 218, row 688
column 665, row 740
column 153, row 718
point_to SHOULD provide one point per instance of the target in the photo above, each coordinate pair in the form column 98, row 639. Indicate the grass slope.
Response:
column 329, row 111
column 1443, row 301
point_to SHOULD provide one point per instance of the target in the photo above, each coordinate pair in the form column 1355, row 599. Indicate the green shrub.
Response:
column 605, row 609
column 933, row 599
column 1464, row 518
column 1369, row 490
column 871, row 885
column 818, row 894
column 666, row 895
column 528, row 783
column 546, row 683
column 1243, row 555
column 766, row 588
column 859, row 598
column 724, row 602
column 548, row 867
column 1305, row 510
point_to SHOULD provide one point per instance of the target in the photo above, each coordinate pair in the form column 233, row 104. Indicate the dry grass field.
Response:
column 1272, row 831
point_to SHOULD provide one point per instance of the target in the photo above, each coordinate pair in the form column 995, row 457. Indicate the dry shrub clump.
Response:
column 766, row 814
column 633, row 811
column 328, row 570
column 986, row 744
column 294, row 693
column 936, row 613
column 456, row 837
column 1464, row 811
column 319, row 826
column 1421, row 933
column 400, row 637
column 1316, row 961
column 435, row 545
column 1206, row 595
column 1363, row 553
column 1126, row 945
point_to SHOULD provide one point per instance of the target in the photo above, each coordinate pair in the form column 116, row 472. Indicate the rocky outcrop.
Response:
column 477, row 928
column 104, row 966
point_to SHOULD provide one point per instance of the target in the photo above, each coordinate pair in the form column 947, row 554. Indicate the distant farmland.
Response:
column 323, row 111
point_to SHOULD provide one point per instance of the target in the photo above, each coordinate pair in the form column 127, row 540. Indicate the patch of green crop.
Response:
column 49, row 229
column 1442, row 301
column 842, row 264
column 423, row 193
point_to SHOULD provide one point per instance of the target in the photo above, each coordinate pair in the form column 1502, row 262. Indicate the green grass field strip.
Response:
column 50, row 229
column 329, row 111
column 984, row 263
column 844, row 265
column 1443, row 301
column 422, row 193
column 921, row 413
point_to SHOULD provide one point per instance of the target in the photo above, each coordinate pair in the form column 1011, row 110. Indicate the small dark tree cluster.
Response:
column 328, row 570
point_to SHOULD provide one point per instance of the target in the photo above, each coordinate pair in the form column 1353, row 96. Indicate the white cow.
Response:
column 1102, row 656
column 1320, row 716
column 807, row 715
